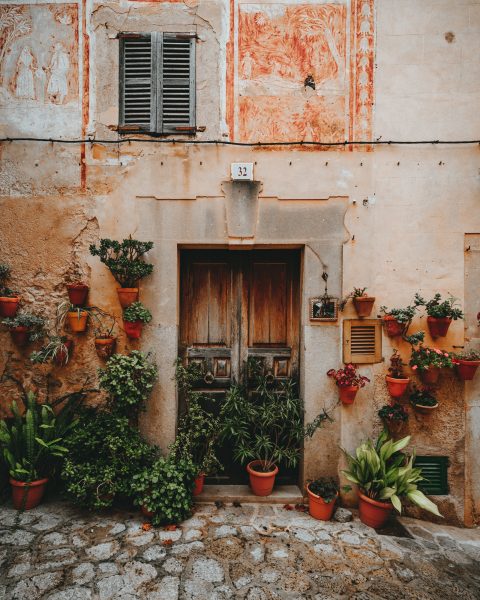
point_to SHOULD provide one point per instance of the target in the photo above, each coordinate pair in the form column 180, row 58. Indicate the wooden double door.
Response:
column 237, row 305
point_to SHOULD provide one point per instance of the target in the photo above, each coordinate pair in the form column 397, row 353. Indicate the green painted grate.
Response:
column 434, row 469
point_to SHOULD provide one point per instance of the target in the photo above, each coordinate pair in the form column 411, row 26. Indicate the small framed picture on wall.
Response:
column 323, row 309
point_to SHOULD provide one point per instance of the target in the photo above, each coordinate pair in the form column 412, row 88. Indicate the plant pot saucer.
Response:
column 425, row 409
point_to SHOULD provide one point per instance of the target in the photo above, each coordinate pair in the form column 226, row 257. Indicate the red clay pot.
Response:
column 364, row 305
column 133, row 329
column 318, row 508
column 146, row 513
column 199, row 481
column 9, row 306
column 105, row 346
column 373, row 513
column 392, row 327
column 396, row 387
column 394, row 427
column 20, row 335
column 430, row 376
column 347, row 393
column 466, row 369
column 127, row 296
column 63, row 356
column 77, row 322
column 438, row 327
column 33, row 491
column 77, row 293
column 261, row 483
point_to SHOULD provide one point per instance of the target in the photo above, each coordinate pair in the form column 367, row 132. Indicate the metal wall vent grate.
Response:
column 434, row 469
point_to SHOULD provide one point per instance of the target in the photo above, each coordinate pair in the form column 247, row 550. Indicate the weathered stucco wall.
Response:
column 392, row 218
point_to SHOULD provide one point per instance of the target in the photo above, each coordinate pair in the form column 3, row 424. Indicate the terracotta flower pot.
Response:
column 9, row 306
column 63, row 355
column 105, row 346
column 466, row 369
column 364, row 305
column 146, row 513
column 425, row 410
column 20, row 335
column 77, row 321
column 261, row 483
column 394, row 427
column 430, row 376
column 347, row 393
column 199, row 481
column 133, row 329
column 392, row 327
column 127, row 296
column 373, row 513
column 27, row 495
column 77, row 293
column 438, row 327
column 318, row 508
column 396, row 387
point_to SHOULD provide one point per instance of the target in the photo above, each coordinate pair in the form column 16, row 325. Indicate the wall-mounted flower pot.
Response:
column 77, row 293
column 105, row 346
column 146, row 513
column 347, row 393
column 430, row 376
column 466, row 369
column 392, row 327
column 260, row 482
column 127, row 296
column 27, row 495
column 9, row 306
column 318, row 508
column 133, row 329
column 438, row 327
column 20, row 335
column 199, row 481
column 63, row 355
column 364, row 305
column 77, row 320
column 373, row 513
column 396, row 387
column 425, row 410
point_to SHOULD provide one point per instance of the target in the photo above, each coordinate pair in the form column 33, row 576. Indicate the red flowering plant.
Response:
column 348, row 376
column 424, row 358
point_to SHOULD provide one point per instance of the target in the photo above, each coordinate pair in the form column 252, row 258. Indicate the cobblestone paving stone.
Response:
column 253, row 552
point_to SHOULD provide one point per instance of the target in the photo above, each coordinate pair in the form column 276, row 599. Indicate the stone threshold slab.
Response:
column 283, row 494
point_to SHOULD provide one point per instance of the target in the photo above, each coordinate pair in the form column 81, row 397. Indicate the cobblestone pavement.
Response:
column 254, row 552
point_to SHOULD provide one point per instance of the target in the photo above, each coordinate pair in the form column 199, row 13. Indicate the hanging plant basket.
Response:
column 466, row 369
column 393, row 328
column 27, row 495
column 364, row 305
column 105, row 346
column 9, row 306
column 438, row 327
column 396, row 387
column 77, row 293
column 20, row 335
column 77, row 320
column 347, row 393
column 260, row 482
column 127, row 296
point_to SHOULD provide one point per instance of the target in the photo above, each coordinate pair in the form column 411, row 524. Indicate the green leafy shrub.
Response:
column 325, row 487
column 35, row 324
column 438, row 308
column 128, row 379
column 105, row 453
column 137, row 312
column 124, row 259
column 165, row 489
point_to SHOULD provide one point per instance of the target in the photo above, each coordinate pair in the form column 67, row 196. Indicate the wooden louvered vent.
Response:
column 178, row 83
column 137, row 81
column 362, row 341
column 434, row 469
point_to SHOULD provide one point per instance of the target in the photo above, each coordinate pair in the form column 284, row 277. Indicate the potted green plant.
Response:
column 348, row 381
column 9, row 299
column 105, row 338
column 440, row 313
column 30, row 445
column 25, row 327
column 265, row 428
column 361, row 300
column 428, row 362
column 125, row 262
column 394, row 417
column 57, row 349
column 74, row 317
column 384, row 476
column 397, row 320
column 322, row 495
column 134, row 316
column 423, row 400
column 466, row 364
column 396, row 381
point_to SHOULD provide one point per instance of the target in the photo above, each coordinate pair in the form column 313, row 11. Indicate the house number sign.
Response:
column 242, row 171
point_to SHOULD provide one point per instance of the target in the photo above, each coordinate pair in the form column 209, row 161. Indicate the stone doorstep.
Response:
column 283, row 494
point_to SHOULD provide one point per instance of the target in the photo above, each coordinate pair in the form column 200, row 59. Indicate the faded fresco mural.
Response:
column 39, row 54
column 303, row 71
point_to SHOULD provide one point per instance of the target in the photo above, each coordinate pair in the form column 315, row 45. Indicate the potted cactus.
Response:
column 322, row 496
column 134, row 316
column 440, row 313
column 396, row 381
column 348, row 381
column 466, row 364
column 9, row 300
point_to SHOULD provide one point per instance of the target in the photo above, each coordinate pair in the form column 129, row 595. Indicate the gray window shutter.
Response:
column 137, row 92
column 176, row 79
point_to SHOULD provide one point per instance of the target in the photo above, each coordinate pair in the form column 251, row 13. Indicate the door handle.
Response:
column 209, row 378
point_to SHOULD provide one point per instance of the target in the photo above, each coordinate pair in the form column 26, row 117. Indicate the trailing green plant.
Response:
column 395, row 369
column 468, row 355
column 137, row 312
column 198, row 429
column 415, row 338
column 393, row 413
column 32, row 442
column 124, row 259
column 55, row 347
column 129, row 380
column 402, row 315
column 424, row 358
column 422, row 397
column 438, row 308
column 33, row 322
column 165, row 489
column 383, row 472
column 357, row 293
column 104, row 454
column 267, row 424
column 325, row 487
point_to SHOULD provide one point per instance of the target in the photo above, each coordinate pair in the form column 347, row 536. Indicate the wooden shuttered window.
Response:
column 434, row 469
column 157, row 82
column 362, row 341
